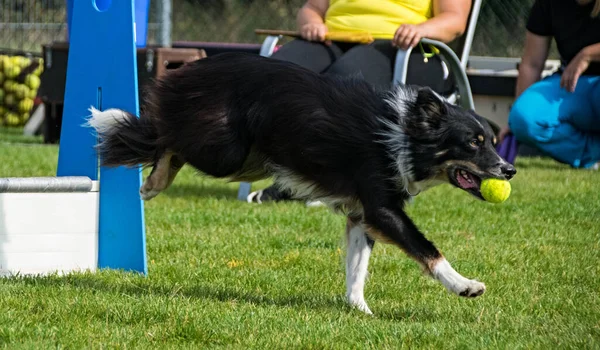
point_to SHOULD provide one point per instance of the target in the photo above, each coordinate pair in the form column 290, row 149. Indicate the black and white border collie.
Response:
column 362, row 151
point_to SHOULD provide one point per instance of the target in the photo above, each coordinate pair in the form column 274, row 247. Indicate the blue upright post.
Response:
column 102, row 72
column 141, row 19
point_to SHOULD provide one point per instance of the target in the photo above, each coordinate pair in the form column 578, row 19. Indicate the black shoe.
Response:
column 269, row 194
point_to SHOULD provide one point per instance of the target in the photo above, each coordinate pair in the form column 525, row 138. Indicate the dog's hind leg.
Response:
column 177, row 163
column 359, row 247
column 162, row 175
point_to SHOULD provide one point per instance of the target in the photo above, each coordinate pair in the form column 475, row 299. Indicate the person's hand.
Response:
column 407, row 35
column 503, row 133
column 574, row 69
column 313, row 31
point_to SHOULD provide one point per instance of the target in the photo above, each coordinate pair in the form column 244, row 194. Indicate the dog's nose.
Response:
column 508, row 171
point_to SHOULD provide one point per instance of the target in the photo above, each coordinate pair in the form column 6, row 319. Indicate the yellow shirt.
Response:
column 381, row 18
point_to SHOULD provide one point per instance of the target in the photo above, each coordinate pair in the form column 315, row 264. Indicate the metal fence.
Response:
column 27, row 24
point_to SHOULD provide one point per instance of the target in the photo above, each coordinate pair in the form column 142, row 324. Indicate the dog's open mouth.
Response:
column 468, row 182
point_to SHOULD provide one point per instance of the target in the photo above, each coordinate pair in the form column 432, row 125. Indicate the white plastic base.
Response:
column 43, row 233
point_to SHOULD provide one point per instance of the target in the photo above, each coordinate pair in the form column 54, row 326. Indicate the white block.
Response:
column 43, row 233
column 35, row 121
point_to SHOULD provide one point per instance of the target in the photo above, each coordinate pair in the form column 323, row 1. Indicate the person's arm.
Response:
column 531, row 67
column 311, row 20
column 578, row 65
column 449, row 21
column 533, row 61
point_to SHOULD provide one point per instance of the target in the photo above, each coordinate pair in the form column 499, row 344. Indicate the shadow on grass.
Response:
column 408, row 315
column 540, row 163
column 188, row 190
column 91, row 283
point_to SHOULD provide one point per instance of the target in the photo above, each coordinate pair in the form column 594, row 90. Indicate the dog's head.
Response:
column 451, row 144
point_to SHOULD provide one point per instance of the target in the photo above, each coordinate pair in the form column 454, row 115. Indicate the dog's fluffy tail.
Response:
column 124, row 138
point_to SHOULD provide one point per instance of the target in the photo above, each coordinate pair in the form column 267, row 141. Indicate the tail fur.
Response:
column 124, row 138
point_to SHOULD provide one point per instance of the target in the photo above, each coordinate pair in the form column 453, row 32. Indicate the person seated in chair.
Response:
column 394, row 24
column 560, row 114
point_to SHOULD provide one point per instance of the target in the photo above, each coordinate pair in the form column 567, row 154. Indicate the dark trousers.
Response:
column 373, row 62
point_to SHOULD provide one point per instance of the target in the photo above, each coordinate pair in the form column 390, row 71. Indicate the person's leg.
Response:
column 595, row 99
column 561, row 124
column 373, row 62
column 583, row 110
column 311, row 55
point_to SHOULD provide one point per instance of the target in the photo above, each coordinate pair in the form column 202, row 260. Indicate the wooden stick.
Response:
column 358, row 37
column 291, row 33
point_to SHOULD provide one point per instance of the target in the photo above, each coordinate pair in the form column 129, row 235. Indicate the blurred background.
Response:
column 34, row 50
column 25, row 25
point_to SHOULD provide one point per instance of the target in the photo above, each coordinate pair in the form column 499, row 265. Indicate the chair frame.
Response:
column 463, row 97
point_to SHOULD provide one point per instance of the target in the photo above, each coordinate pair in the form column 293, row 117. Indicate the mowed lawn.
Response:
column 224, row 273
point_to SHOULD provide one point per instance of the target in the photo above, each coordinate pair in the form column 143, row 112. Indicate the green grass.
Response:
column 223, row 273
column 15, row 135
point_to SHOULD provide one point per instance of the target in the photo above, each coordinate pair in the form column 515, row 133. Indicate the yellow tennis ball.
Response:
column 12, row 119
column 33, row 81
column 21, row 90
column 12, row 71
column 495, row 190
column 25, row 105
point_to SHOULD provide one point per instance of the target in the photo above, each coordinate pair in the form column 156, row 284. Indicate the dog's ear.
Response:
column 431, row 107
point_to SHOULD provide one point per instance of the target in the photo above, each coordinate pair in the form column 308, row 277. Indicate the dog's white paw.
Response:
column 148, row 194
column 469, row 289
column 456, row 283
column 359, row 303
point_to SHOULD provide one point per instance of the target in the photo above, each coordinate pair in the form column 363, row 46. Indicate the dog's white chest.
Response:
column 416, row 187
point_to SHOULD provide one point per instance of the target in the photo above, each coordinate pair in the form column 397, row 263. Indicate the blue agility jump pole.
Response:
column 102, row 73
column 141, row 20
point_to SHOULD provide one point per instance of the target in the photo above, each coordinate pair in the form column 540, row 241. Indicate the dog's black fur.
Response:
column 364, row 151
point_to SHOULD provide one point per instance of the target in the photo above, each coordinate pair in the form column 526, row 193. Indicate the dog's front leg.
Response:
column 358, row 251
column 393, row 225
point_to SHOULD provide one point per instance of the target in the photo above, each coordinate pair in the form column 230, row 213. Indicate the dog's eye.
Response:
column 475, row 143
